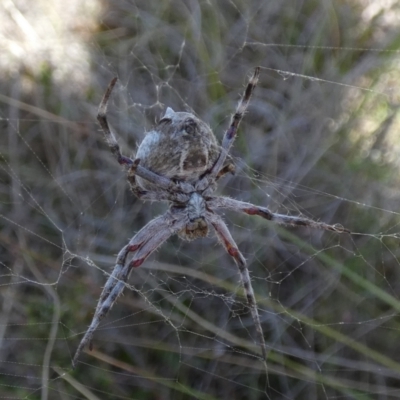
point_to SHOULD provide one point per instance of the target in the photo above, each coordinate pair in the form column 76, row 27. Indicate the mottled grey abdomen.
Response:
column 181, row 147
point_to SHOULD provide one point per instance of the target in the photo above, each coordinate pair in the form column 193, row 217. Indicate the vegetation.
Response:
column 320, row 139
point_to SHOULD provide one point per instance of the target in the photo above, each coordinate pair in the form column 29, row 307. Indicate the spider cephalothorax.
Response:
column 180, row 162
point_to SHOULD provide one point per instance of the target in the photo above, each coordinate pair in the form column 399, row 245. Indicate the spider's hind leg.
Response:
column 231, row 248
column 148, row 239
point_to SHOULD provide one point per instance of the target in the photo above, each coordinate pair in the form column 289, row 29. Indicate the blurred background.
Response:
column 320, row 139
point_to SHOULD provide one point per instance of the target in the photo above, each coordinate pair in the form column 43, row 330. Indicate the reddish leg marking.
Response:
column 134, row 247
column 138, row 262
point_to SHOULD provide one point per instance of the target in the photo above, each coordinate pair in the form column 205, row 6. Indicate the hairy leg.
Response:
column 143, row 243
column 160, row 181
column 251, row 209
column 230, row 134
column 109, row 135
column 230, row 246
column 227, row 169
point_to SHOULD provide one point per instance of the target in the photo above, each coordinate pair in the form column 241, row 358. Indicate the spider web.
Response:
column 319, row 140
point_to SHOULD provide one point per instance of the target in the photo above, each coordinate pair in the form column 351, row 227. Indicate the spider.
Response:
column 180, row 162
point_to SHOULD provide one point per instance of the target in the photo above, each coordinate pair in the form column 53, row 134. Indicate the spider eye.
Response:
column 190, row 126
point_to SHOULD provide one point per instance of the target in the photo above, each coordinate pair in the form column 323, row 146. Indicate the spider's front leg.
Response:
column 136, row 189
column 109, row 135
column 143, row 243
column 134, row 167
column 230, row 134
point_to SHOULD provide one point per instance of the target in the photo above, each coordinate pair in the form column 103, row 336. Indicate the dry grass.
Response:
column 329, row 303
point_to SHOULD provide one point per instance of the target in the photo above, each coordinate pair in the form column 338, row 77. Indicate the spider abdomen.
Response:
column 180, row 147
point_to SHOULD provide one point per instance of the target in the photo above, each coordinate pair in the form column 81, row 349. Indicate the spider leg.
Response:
column 137, row 190
column 230, row 246
column 251, row 209
column 230, row 134
column 227, row 169
column 160, row 181
column 143, row 243
column 109, row 135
